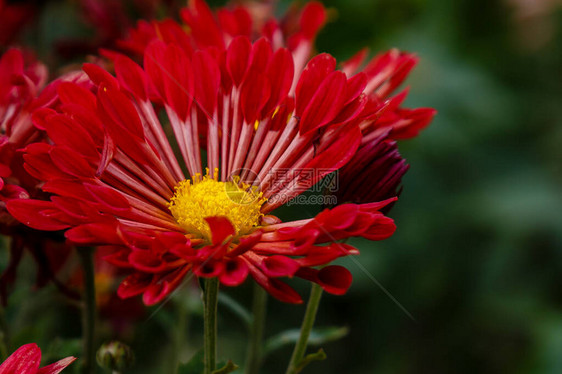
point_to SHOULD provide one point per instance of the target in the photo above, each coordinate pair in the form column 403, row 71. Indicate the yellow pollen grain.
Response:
column 202, row 197
column 275, row 112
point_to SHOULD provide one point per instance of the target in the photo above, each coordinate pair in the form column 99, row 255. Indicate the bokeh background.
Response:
column 472, row 280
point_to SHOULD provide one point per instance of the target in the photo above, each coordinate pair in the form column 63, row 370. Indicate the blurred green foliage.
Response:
column 477, row 257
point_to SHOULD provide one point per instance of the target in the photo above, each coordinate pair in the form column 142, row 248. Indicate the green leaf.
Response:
column 318, row 336
column 194, row 366
column 228, row 368
column 235, row 307
column 318, row 356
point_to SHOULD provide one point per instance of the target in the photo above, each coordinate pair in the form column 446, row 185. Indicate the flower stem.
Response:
column 3, row 335
column 253, row 358
column 211, row 294
column 180, row 335
column 89, row 312
column 307, row 323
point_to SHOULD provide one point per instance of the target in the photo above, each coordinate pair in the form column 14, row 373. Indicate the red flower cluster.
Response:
column 20, row 84
column 26, row 360
column 249, row 106
column 22, row 91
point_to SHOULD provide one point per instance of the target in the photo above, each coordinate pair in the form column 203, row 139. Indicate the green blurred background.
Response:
column 477, row 258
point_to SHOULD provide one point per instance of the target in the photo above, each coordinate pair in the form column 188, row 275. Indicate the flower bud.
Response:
column 115, row 356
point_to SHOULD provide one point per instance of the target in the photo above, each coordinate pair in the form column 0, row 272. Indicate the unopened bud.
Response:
column 115, row 356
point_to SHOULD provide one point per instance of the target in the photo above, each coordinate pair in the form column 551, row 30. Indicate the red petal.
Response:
column 178, row 80
column 119, row 258
column 312, row 19
column 282, row 292
column 134, row 284
column 209, row 268
column 254, row 95
column 119, row 109
column 382, row 229
column 221, row 229
column 335, row 279
column 260, row 55
column 71, row 93
column 246, row 243
column 275, row 287
column 99, row 75
column 237, row 57
column 37, row 214
column 202, row 24
column 95, row 234
column 123, row 125
column 337, row 154
column 155, row 293
column 146, row 261
column 236, row 22
column 25, row 360
column 350, row 66
column 110, row 199
column 57, row 367
column 71, row 162
column 235, row 272
column 325, row 104
column 355, row 86
column 279, row 266
column 132, row 77
column 207, row 71
column 65, row 131
column 164, row 286
column 312, row 76
column 39, row 117
column 342, row 216
column 280, row 73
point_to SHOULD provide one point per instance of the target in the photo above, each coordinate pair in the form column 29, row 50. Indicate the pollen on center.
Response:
column 202, row 197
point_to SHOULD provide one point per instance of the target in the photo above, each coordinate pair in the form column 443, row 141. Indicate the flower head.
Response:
column 26, row 360
column 23, row 90
column 249, row 118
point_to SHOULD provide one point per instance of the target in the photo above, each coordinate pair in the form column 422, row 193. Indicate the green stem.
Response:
column 253, row 358
column 307, row 323
column 89, row 311
column 211, row 294
column 3, row 335
column 180, row 334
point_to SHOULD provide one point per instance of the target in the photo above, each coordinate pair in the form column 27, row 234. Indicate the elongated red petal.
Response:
column 94, row 234
column 235, row 272
column 25, row 360
column 57, row 367
column 221, row 229
column 38, row 214
column 280, row 266
column 237, row 58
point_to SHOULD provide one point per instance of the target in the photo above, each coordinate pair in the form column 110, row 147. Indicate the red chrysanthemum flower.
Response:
column 262, row 121
column 26, row 360
column 23, row 90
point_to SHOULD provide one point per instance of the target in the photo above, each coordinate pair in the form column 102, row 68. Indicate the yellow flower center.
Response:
column 202, row 197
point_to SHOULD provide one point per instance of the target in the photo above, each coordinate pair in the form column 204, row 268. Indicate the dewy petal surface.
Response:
column 26, row 360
